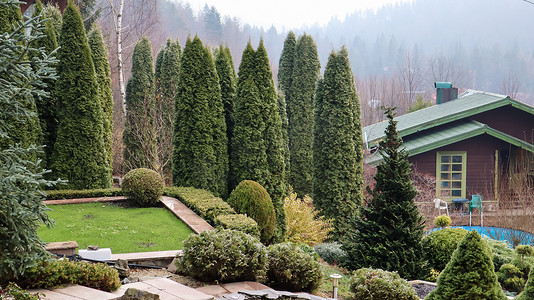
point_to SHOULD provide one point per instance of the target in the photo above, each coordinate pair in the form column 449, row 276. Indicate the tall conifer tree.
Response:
column 257, row 146
column 99, row 54
column 46, row 107
column 285, row 64
column 337, row 144
column 306, row 72
column 200, row 155
column 139, row 133
column 388, row 230
column 79, row 151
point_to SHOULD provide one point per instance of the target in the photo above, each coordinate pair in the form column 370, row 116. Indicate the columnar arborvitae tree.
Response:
column 337, row 144
column 200, row 155
column 469, row 274
column 257, row 146
column 167, row 88
column 46, row 107
column 285, row 65
column 285, row 139
column 99, row 54
column 388, row 230
column 53, row 13
column 227, row 80
column 24, row 129
column 21, row 206
column 306, row 72
column 79, row 152
column 139, row 133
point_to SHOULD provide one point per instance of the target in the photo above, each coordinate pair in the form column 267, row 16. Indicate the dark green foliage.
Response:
column 58, row 272
column 24, row 129
column 377, row 284
column 143, row 187
column 292, row 269
column 337, row 144
column 200, row 154
column 528, row 292
column 439, row 246
column 388, row 230
column 202, row 202
column 140, row 133
column 331, row 253
column 227, row 81
column 46, row 107
column 306, row 72
column 223, row 255
column 469, row 274
column 257, row 145
column 285, row 125
column 511, row 278
column 285, row 69
column 502, row 254
column 79, row 152
column 239, row 222
column 99, row 54
column 251, row 199
column 21, row 207
column 90, row 11
column 167, row 87
column 73, row 194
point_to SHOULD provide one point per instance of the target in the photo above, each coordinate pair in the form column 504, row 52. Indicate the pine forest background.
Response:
column 396, row 52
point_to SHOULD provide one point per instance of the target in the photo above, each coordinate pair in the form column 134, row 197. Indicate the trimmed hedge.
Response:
column 238, row 222
column 73, row 194
column 203, row 202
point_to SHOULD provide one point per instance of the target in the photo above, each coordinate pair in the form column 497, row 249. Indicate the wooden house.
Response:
column 27, row 8
column 474, row 143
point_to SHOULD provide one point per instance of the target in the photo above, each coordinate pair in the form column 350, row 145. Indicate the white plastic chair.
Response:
column 440, row 204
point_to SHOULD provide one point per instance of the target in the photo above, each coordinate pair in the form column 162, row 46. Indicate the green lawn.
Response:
column 124, row 230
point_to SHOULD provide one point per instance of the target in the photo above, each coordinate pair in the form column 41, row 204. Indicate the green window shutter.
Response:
column 451, row 174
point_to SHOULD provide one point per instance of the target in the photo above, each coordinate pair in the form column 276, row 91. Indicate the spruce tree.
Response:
column 306, row 72
column 167, row 88
column 79, row 152
column 469, row 274
column 139, row 133
column 99, row 54
column 337, row 144
column 200, row 155
column 388, row 230
column 46, row 107
column 24, row 129
column 21, row 206
column 257, row 146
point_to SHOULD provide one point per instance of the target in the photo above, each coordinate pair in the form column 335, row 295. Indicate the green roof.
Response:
column 467, row 104
column 449, row 134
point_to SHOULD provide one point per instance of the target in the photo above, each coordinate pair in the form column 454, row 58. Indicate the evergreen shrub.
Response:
column 511, row 278
column 292, row 269
column 304, row 224
column 57, row 272
column 442, row 221
column 250, row 198
column 202, row 202
column 331, row 253
column 528, row 292
column 439, row 246
column 142, row 186
column 223, row 255
column 502, row 254
column 377, row 284
column 238, row 222
column 72, row 194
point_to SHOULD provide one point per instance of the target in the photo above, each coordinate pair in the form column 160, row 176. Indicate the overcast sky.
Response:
column 288, row 14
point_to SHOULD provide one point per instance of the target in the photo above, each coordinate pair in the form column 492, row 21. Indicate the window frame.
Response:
column 439, row 155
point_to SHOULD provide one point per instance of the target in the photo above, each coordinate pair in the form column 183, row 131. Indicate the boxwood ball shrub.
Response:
column 292, row 269
column 223, row 255
column 251, row 199
column 377, row 284
column 442, row 221
column 142, row 186
column 440, row 244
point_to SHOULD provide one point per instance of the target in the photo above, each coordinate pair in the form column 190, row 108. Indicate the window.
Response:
column 450, row 174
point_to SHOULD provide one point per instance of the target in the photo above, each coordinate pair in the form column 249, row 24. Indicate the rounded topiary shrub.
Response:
column 377, row 284
column 292, row 269
column 224, row 255
column 250, row 198
column 440, row 244
column 331, row 253
column 442, row 221
column 142, row 186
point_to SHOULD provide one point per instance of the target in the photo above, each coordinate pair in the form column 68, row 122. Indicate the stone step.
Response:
column 74, row 292
column 189, row 217
column 166, row 289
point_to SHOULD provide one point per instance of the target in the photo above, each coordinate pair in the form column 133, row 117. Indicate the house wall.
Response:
column 480, row 173
column 61, row 4
column 509, row 120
